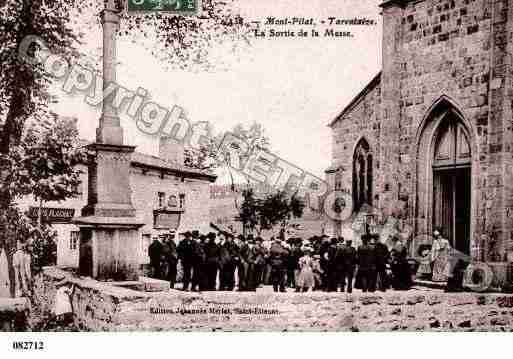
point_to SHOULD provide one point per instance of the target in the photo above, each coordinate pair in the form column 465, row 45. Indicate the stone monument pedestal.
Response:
column 109, row 229
column 109, row 251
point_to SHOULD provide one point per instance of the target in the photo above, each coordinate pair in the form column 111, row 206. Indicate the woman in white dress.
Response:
column 440, row 257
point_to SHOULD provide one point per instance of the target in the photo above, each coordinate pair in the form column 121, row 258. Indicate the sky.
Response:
column 293, row 86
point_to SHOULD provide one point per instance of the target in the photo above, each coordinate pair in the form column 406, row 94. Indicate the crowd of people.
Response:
column 223, row 261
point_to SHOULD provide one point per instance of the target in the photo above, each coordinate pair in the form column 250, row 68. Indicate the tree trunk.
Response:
column 20, row 96
column 20, row 91
column 40, row 215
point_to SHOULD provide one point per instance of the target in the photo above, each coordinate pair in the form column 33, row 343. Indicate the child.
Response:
column 62, row 308
column 306, row 279
column 317, row 271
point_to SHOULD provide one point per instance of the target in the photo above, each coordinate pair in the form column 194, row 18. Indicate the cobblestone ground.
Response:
column 103, row 307
column 419, row 309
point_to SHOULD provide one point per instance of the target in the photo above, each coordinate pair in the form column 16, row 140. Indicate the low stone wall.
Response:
column 14, row 314
column 100, row 306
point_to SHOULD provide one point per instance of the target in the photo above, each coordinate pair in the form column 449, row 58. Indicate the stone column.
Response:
column 109, row 235
column 109, row 130
column 392, row 12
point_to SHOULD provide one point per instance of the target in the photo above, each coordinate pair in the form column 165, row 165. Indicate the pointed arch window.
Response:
column 362, row 175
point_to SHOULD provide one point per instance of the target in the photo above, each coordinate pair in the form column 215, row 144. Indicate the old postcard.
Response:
column 256, row 165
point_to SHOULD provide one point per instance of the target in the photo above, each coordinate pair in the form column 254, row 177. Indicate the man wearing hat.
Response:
column 170, row 257
column 333, row 266
column 349, row 265
column 155, row 254
column 257, row 260
column 228, row 260
column 186, row 251
column 199, row 278
column 211, row 260
column 382, row 259
column 293, row 261
column 277, row 259
column 243, row 265
column 323, row 252
column 366, row 264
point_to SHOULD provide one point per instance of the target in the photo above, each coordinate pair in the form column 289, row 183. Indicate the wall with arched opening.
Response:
column 446, row 193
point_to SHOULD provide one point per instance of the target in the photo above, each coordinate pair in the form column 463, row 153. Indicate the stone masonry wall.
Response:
column 103, row 307
column 455, row 49
column 145, row 186
column 457, row 52
column 14, row 314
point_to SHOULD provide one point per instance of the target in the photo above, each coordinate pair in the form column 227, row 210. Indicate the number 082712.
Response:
column 19, row 345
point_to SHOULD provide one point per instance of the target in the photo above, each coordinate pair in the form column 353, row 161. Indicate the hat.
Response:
column 211, row 235
column 307, row 249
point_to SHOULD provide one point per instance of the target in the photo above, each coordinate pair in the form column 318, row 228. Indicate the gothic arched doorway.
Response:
column 362, row 175
column 451, row 166
column 445, row 163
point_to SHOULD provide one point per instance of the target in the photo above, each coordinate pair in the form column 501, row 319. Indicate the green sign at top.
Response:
column 181, row 7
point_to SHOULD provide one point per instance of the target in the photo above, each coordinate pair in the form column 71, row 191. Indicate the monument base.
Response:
column 109, row 248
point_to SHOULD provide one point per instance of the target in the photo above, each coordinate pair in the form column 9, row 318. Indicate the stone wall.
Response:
column 104, row 307
column 436, row 54
column 146, row 183
column 14, row 314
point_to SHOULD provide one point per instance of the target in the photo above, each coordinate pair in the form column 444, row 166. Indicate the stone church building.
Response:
column 429, row 139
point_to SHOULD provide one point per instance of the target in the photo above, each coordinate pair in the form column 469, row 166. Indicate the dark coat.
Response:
column 382, row 254
column 169, row 253
column 212, row 252
column 186, row 250
column 332, row 257
column 257, row 255
column 229, row 254
column 339, row 259
column 366, row 257
column 199, row 253
column 349, row 258
column 278, row 255
column 323, row 249
column 155, row 251
column 293, row 259
column 244, row 252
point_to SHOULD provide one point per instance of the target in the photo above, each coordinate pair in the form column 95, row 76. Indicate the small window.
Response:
column 73, row 240
column 161, row 199
column 182, row 200
column 172, row 202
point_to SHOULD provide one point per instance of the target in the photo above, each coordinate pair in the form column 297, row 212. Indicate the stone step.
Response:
column 154, row 285
column 429, row 284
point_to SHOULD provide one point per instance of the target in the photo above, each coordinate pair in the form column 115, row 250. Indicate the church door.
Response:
column 452, row 184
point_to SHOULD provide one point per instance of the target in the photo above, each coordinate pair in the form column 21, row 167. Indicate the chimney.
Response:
column 171, row 151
